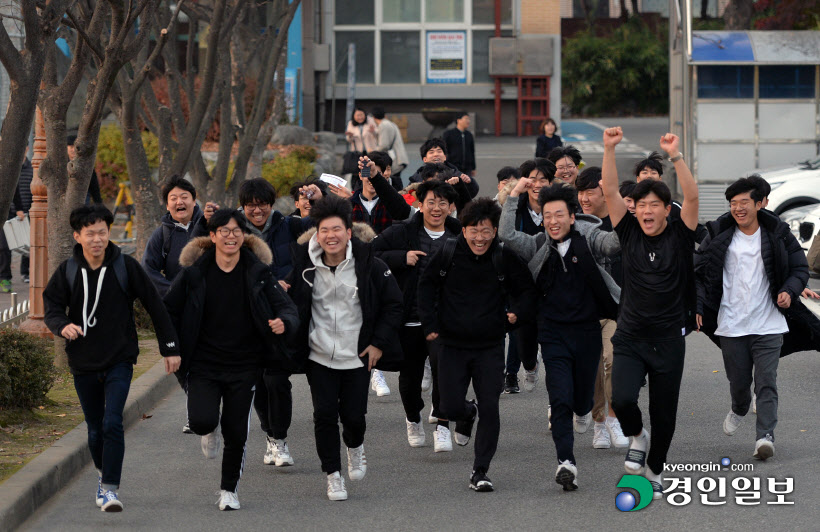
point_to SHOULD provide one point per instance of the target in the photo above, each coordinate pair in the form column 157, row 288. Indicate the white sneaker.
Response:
column 530, row 379
column 336, row 487
column 600, row 437
column 281, row 454
column 567, row 476
column 228, row 500
column 442, row 441
column 427, row 379
column 731, row 423
column 581, row 423
column 636, row 454
column 211, row 444
column 268, row 459
column 431, row 419
column 378, row 385
column 356, row 463
column 657, row 484
column 754, row 403
column 764, row 448
column 415, row 434
column 616, row 434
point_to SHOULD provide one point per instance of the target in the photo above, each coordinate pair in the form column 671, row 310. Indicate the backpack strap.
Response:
column 498, row 264
column 71, row 273
column 119, row 272
column 447, row 255
column 166, row 240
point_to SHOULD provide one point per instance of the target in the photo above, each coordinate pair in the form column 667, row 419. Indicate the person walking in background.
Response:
column 361, row 132
column 461, row 145
column 391, row 142
column 548, row 139
column 20, row 204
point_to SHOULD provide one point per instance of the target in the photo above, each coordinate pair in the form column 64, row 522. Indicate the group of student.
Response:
column 604, row 279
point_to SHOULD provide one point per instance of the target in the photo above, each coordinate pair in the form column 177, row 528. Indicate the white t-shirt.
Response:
column 434, row 234
column 563, row 247
column 369, row 204
column 537, row 217
column 746, row 306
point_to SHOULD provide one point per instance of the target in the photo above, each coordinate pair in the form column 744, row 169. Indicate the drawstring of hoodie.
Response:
column 355, row 288
column 88, row 319
column 305, row 278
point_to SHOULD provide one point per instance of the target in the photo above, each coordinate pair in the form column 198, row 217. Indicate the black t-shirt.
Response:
column 655, row 275
column 228, row 340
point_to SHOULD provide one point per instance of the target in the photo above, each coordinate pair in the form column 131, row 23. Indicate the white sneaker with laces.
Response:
column 415, row 434
column 268, row 459
column 581, row 423
column 600, row 437
column 228, row 500
column 378, row 385
column 616, row 434
column 281, row 454
column 427, row 379
column 442, row 440
column 530, row 379
column 356, row 463
column 431, row 419
column 336, row 487
column 731, row 423
column 211, row 444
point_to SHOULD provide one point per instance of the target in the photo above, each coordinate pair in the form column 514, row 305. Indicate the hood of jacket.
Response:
column 197, row 247
column 361, row 230
column 112, row 251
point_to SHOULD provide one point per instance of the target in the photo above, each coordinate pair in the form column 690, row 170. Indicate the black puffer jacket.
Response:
column 786, row 269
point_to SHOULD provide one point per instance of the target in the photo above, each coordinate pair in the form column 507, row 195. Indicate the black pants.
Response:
column 485, row 367
column 235, row 391
column 571, row 354
column 5, row 257
column 338, row 394
column 663, row 361
column 416, row 350
column 526, row 338
column 273, row 403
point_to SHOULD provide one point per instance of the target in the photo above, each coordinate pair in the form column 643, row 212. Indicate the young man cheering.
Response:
column 463, row 305
column 98, row 285
column 657, row 304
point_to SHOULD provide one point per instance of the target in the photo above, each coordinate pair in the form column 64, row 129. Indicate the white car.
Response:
column 804, row 223
column 794, row 186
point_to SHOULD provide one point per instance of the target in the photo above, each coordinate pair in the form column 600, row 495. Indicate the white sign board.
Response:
column 446, row 57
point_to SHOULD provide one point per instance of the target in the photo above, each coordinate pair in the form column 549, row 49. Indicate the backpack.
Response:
column 119, row 272
column 449, row 252
column 166, row 240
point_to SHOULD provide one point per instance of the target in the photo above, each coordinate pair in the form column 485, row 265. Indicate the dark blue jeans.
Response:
column 102, row 396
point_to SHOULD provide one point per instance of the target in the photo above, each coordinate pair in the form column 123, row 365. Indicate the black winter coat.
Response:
column 164, row 268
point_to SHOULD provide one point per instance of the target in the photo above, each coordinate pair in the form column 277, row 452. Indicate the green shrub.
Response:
column 26, row 369
column 111, row 166
column 625, row 73
column 141, row 317
column 293, row 164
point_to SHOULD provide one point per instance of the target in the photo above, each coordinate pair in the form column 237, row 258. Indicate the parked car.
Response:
column 794, row 186
column 804, row 222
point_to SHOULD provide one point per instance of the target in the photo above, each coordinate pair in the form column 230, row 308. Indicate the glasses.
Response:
column 225, row 232
column 566, row 168
column 486, row 233
column 250, row 207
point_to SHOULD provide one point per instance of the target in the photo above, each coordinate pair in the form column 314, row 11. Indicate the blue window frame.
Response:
column 725, row 81
column 787, row 81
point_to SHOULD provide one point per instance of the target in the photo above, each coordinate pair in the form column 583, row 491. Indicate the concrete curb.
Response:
column 54, row 468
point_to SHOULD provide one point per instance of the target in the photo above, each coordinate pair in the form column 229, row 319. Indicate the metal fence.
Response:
column 14, row 315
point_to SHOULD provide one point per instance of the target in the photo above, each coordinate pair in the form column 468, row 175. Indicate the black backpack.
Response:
column 449, row 252
column 119, row 272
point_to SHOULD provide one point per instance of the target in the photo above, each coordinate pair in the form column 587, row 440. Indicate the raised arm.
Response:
column 522, row 243
column 609, row 174
column 689, row 210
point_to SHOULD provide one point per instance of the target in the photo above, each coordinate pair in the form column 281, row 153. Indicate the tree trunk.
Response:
column 738, row 15
column 624, row 11
column 704, row 9
column 635, row 10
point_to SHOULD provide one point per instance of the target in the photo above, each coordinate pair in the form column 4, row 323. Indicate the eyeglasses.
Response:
column 250, row 207
column 486, row 233
column 225, row 232
column 566, row 168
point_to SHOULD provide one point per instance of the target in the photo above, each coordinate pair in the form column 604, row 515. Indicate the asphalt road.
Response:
column 169, row 485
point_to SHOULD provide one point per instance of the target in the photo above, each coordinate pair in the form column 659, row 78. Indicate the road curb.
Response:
column 812, row 306
column 54, row 468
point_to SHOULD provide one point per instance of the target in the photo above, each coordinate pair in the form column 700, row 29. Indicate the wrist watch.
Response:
column 676, row 158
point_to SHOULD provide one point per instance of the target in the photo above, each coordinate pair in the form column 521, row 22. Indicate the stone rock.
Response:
column 286, row 135
column 325, row 140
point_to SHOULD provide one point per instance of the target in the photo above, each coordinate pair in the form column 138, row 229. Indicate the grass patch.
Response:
column 25, row 433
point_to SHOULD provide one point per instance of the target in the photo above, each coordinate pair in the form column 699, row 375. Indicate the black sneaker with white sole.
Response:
column 511, row 384
column 479, row 481
column 464, row 429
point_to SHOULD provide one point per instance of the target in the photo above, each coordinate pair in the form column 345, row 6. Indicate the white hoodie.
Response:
column 336, row 312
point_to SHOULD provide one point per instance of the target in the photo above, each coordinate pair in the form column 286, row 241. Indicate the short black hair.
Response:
column 378, row 112
column 462, row 114
column 440, row 189
column 479, row 210
column 70, row 139
column 527, row 167
column 256, row 189
column 649, row 186
column 89, row 215
column 222, row 217
column 762, row 185
column 177, row 182
column 743, row 185
column 654, row 161
column 353, row 114
column 332, row 206
column 430, row 144
column 626, row 188
column 588, row 179
column 381, row 158
column 294, row 190
column 508, row 172
column 434, row 170
column 560, row 192
column 565, row 151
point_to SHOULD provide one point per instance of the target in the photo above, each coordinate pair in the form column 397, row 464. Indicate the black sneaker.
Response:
column 511, row 384
column 479, row 481
column 464, row 429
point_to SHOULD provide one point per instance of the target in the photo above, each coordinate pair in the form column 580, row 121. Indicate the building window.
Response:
column 401, row 11
column 787, row 81
column 358, row 12
column 444, row 10
column 401, row 55
column 364, row 41
column 481, row 54
column 729, row 81
column 484, row 11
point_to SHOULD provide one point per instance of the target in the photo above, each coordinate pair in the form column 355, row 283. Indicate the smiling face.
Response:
column 434, row 155
column 744, row 211
column 557, row 219
column 228, row 239
column 303, row 204
column 434, row 211
column 539, row 181
column 565, row 169
column 630, row 204
column 549, row 129
column 648, row 173
column 333, row 236
column 651, row 214
column 94, row 239
column 257, row 212
column 479, row 236
column 359, row 117
column 180, row 204
column 592, row 201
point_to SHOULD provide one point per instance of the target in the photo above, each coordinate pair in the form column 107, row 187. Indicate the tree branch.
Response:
column 140, row 76
column 94, row 46
column 10, row 56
